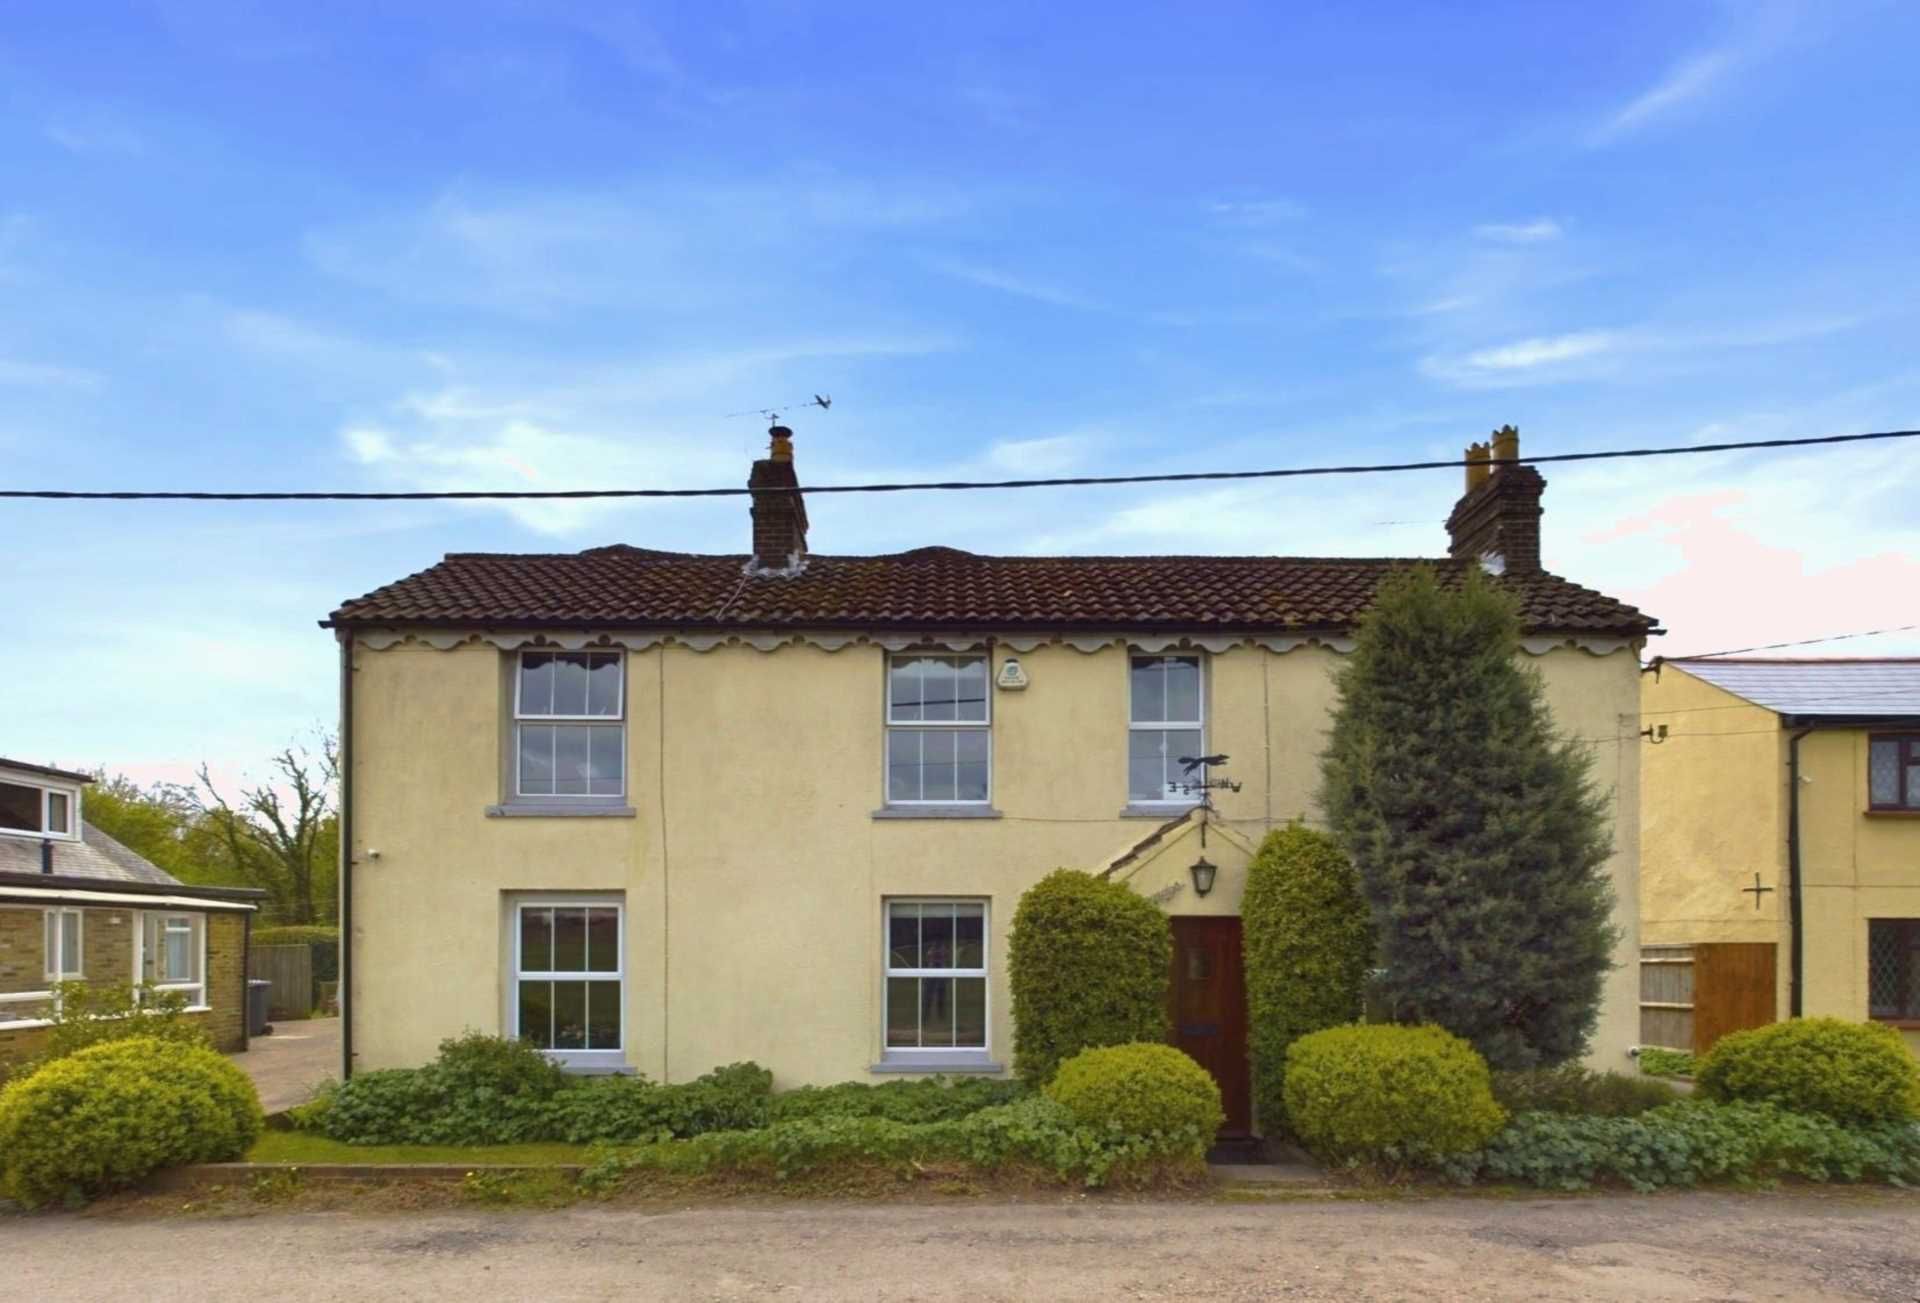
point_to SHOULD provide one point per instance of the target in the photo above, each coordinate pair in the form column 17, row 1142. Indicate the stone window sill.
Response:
column 937, row 812
column 530, row 810
column 1892, row 814
column 1163, row 812
column 1900, row 1024
column 968, row 1064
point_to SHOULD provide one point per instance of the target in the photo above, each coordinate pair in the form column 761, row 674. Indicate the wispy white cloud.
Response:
column 1051, row 455
column 93, row 134
column 1531, row 232
column 1527, row 361
column 1690, row 80
column 1026, row 287
column 1257, row 212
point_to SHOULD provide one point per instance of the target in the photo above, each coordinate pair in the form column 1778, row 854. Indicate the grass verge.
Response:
column 305, row 1147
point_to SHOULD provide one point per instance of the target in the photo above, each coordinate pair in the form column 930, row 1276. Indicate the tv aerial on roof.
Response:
column 821, row 401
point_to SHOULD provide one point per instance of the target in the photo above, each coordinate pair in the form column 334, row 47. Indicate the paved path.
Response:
column 286, row 1065
column 1803, row 1246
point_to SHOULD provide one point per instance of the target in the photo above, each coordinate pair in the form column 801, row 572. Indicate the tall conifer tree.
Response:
column 1480, row 842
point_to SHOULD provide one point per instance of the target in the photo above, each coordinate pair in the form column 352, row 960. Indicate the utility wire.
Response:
column 1776, row 646
column 1183, row 477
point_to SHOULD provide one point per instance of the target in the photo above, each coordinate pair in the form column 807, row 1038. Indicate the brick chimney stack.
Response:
column 1497, row 520
column 779, row 513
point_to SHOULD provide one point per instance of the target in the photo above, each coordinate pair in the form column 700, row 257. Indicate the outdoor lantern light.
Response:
column 1203, row 871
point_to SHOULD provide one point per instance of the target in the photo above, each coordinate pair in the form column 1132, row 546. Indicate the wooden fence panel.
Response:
column 1666, row 996
column 290, row 969
column 1734, row 989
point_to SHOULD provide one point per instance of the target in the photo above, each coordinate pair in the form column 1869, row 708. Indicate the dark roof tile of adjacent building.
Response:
column 94, row 855
column 935, row 588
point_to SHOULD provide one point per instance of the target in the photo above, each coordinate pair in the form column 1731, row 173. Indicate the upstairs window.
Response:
column 36, row 811
column 1893, row 771
column 570, row 734
column 1165, row 722
column 939, row 736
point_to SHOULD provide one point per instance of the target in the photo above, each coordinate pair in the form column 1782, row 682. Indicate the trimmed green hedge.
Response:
column 1142, row 1090
column 1573, row 1089
column 1851, row 1072
column 108, row 1115
column 1035, row 1134
column 1088, row 963
column 1389, row 1095
column 1691, row 1142
column 932, row 1099
column 1309, row 944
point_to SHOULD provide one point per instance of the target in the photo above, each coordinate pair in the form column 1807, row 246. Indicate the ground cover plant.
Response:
column 1572, row 1089
column 1658, row 1062
column 110, row 1114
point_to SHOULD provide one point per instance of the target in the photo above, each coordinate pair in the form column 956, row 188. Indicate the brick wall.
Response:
column 107, row 956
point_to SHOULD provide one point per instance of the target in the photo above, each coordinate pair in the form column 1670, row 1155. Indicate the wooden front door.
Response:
column 1208, row 1000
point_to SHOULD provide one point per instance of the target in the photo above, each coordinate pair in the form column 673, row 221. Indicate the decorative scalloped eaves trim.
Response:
column 833, row 641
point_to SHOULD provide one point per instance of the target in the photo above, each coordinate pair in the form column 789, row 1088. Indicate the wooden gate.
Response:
column 290, row 969
column 1733, row 989
column 1691, row 996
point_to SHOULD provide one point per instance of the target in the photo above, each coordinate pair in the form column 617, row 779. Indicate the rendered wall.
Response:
column 753, row 871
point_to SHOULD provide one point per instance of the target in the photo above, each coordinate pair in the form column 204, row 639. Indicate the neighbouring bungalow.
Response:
column 77, row 906
column 658, row 811
column 1780, row 842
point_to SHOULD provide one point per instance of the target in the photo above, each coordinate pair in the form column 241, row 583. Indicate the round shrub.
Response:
column 1140, row 1090
column 1388, row 1094
column 1088, row 962
column 109, row 1115
column 1309, row 943
column 1850, row 1072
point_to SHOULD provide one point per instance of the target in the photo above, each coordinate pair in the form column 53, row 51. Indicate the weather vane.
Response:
column 821, row 401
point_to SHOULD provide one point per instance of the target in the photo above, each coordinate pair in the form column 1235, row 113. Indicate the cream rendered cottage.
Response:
column 659, row 811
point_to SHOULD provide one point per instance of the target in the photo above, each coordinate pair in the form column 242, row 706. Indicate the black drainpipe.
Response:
column 46, row 855
column 346, row 854
column 246, row 980
column 1796, row 947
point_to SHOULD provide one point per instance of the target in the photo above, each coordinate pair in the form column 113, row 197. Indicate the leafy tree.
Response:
column 1089, row 962
column 284, row 837
column 158, row 823
column 1480, row 842
column 1309, row 943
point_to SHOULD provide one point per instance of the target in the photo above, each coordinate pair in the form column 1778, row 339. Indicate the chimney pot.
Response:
column 1499, row 514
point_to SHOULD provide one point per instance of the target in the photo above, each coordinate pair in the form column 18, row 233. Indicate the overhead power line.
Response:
column 1803, row 642
column 1181, row 477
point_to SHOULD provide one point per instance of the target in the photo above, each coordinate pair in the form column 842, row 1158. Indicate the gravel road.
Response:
column 1802, row 1246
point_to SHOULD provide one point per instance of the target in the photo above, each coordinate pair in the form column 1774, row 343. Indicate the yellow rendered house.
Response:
column 658, row 811
column 1780, row 843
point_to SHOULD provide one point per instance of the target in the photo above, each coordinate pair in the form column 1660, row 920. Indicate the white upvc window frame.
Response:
column 983, row 726
column 195, row 989
column 616, row 1057
column 1170, row 801
column 614, row 722
column 67, row 792
column 933, row 1054
column 53, row 934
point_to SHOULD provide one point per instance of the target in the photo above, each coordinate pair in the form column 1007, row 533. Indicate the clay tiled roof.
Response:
column 933, row 588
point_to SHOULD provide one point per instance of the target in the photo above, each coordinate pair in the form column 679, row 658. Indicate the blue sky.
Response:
column 551, row 246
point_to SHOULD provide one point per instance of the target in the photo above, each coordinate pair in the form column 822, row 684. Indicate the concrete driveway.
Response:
column 1804, row 1246
column 287, row 1065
